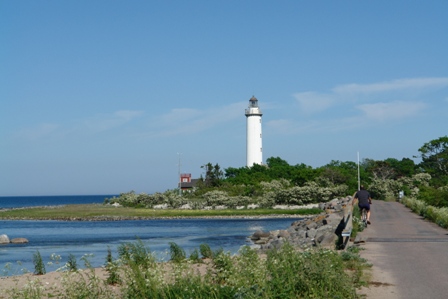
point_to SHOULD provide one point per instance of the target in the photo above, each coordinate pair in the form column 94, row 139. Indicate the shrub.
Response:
column 136, row 254
column 194, row 256
column 39, row 266
column 206, row 251
column 71, row 263
column 177, row 253
column 434, row 214
column 295, row 274
column 112, row 269
column 223, row 266
column 434, row 197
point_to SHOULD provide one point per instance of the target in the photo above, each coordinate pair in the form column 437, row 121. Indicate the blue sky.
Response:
column 100, row 97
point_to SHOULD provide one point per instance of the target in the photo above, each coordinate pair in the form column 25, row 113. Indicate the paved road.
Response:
column 409, row 254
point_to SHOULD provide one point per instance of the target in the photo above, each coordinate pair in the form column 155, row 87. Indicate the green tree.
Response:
column 381, row 170
column 346, row 173
column 434, row 156
column 276, row 162
column 213, row 175
column 405, row 167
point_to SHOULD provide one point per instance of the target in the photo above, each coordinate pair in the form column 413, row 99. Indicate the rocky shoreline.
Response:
column 323, row 230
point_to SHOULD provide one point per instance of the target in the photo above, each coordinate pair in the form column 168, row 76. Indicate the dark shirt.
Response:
column 363, row 197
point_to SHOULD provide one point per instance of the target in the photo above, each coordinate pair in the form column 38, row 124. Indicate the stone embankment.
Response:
column 323, row 230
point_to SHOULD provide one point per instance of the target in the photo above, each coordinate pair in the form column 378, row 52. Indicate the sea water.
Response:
column 92, row 239
column 10, row 202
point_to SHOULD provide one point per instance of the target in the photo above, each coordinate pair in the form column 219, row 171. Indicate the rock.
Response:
column 312, row 225
column 4, row 239
column 277, row 243
column 260, row 234
column 332, row 219
column 253, row 206
column 320, row 235
column 161, row 207
column 221, row 207
column 262, row 241
column 328, row 239
column 283, row 234
column 316, row 231
column 19, row 241
column 311, row 233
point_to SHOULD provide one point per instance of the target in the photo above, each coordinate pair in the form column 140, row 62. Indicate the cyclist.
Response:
column 364, row 201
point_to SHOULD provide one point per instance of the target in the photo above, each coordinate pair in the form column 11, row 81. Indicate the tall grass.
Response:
column 434, row 214
column 282, row 273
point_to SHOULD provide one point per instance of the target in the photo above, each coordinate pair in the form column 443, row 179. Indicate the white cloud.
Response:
column 355, row 105
column 395, row 85
column 104, row 122
column 391, row 111
column 188, row 121
column 311, row 102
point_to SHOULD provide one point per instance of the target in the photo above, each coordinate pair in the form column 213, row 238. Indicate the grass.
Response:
column 431, row 213
column 282, row 273
column 104, row 212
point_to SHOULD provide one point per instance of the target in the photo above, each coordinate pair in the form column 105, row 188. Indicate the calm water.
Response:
column 8, row 202
column 94, row 237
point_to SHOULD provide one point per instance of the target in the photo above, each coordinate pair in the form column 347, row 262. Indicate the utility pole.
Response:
column 180, row 179
column 359, row 177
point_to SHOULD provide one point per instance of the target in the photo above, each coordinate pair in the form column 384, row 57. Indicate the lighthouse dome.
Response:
column 253, row 102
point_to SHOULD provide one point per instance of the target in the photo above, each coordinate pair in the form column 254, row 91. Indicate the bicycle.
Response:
column 364, row 217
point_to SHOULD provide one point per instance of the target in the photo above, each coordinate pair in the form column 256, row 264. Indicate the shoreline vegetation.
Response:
column 280, row 273
column 101, row 212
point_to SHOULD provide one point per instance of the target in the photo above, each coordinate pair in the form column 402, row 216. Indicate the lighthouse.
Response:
column 254, row 148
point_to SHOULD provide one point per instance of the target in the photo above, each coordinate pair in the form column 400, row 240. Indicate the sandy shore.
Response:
column 52, row 284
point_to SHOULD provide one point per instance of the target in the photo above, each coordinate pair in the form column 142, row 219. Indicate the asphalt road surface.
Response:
column 409, row 254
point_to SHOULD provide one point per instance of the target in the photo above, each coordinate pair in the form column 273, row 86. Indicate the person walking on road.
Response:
column 364, row 201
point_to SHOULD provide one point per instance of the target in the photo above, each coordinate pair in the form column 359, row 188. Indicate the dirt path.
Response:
column 409, row 254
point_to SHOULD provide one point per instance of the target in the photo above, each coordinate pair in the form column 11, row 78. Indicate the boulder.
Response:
column 332, row 219
column 283, row 234
column 260, row 234
column 328, row 239
column 185, row 207
column 19, row 241
column 4, row 239
column 311, row 233
column 161, row 207
column 315, row 231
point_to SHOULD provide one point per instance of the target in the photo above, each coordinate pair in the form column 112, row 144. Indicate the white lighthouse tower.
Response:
column 254, row 148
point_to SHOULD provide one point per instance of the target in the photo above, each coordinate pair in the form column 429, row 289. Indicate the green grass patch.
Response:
column 105, row 212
